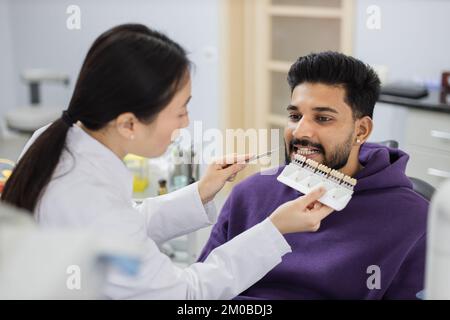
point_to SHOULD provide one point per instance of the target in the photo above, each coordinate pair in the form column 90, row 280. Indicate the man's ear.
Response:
column 364, row 127
column 126, row 125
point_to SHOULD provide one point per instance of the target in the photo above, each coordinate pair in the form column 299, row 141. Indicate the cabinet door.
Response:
column 429, row 129
column 427, row 164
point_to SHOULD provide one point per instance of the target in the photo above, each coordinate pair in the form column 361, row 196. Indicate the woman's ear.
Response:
column 364, row 127
column 126, row 125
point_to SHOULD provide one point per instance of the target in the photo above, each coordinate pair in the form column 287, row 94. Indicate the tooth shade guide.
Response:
column 304, row 175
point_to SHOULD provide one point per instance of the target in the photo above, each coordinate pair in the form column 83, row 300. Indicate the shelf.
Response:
column 292, row 37
column 308, row 12
column 309, row 3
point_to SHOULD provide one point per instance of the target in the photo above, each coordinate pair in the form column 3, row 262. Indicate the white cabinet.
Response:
column 427, row 164
column 424, row 135
column 428, row 144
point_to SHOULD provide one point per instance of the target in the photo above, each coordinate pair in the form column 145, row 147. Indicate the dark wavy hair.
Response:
column 360, row 81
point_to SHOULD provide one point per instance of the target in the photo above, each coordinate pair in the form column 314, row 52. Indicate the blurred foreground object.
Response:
column 40, row 263
column 437, row 282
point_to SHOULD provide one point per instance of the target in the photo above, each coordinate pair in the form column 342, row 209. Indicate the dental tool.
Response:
column 265, row 154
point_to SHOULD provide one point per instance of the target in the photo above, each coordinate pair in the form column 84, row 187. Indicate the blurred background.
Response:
column 242, row 50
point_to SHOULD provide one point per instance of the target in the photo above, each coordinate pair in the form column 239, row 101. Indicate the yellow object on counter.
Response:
column 6, row 167
column 139, row 167
column 139, row 184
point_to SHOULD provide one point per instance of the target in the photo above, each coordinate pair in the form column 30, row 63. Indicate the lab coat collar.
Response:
column 83, row 145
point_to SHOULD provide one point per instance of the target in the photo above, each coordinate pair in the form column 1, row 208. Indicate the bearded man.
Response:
column 375, row 247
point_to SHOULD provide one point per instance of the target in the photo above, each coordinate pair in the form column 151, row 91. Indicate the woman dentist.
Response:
column 131, row 95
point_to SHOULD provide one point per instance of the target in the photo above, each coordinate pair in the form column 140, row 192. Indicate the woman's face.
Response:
column 152, row 140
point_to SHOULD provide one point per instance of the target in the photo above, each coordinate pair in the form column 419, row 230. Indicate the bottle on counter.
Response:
column 162, row 187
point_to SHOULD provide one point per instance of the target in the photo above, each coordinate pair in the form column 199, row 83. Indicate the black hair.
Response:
column 359, row 80
column 129, row 68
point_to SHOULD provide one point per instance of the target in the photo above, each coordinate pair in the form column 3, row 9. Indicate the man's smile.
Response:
column 306, row 151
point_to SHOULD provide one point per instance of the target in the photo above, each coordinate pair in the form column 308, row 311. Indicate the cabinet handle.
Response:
column 438, row 173
column 440, row 134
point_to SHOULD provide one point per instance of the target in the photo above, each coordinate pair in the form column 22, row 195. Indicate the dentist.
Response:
column 131, row 95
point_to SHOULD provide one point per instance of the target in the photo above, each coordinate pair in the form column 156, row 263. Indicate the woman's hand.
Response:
column 302, row 214
column 218, row 173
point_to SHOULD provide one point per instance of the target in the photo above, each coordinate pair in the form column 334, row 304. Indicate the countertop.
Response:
column 436, row 101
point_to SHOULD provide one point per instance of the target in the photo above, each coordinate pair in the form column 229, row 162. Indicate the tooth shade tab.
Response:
column 324, row 168
column 299, row 158
column 349, row 182
column 337, row 174
column 313, row 164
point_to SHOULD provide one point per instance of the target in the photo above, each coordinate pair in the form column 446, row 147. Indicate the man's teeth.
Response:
column 306, row 151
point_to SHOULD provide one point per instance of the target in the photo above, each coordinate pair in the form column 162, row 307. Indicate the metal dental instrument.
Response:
column 265, row 154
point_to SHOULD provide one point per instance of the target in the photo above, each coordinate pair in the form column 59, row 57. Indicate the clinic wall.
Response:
column 41, row 39
column 413, row 39
column 7, row 98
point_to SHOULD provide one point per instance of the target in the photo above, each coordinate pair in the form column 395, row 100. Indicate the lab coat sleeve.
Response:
column 176, row 213
column 409, row 279
column 237, row 264
column 228, row 270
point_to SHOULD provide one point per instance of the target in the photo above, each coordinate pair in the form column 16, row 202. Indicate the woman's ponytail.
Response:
column 35, row 169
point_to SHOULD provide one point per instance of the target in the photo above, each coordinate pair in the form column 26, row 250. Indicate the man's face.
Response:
column 320, row 125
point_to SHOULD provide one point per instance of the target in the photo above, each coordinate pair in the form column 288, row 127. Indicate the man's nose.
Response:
column 304, row 128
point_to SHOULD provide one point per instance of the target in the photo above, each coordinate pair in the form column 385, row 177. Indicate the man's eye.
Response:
column 295, row 117
column 323, row 119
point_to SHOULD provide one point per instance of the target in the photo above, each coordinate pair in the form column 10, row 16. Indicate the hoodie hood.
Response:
column 383, row 168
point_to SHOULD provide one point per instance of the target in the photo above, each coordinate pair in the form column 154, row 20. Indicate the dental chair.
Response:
column 423, row 188
column 27, row 119
column 437, row 279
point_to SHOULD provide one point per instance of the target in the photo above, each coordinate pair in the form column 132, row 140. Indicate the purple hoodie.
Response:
column 383, row 226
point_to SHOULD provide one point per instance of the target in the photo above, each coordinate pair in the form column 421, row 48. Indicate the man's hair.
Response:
column 360, row 81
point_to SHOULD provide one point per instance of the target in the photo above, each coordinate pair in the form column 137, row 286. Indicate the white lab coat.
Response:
column 92, row 188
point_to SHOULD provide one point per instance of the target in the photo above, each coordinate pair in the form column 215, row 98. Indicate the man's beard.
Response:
column 334, row 160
